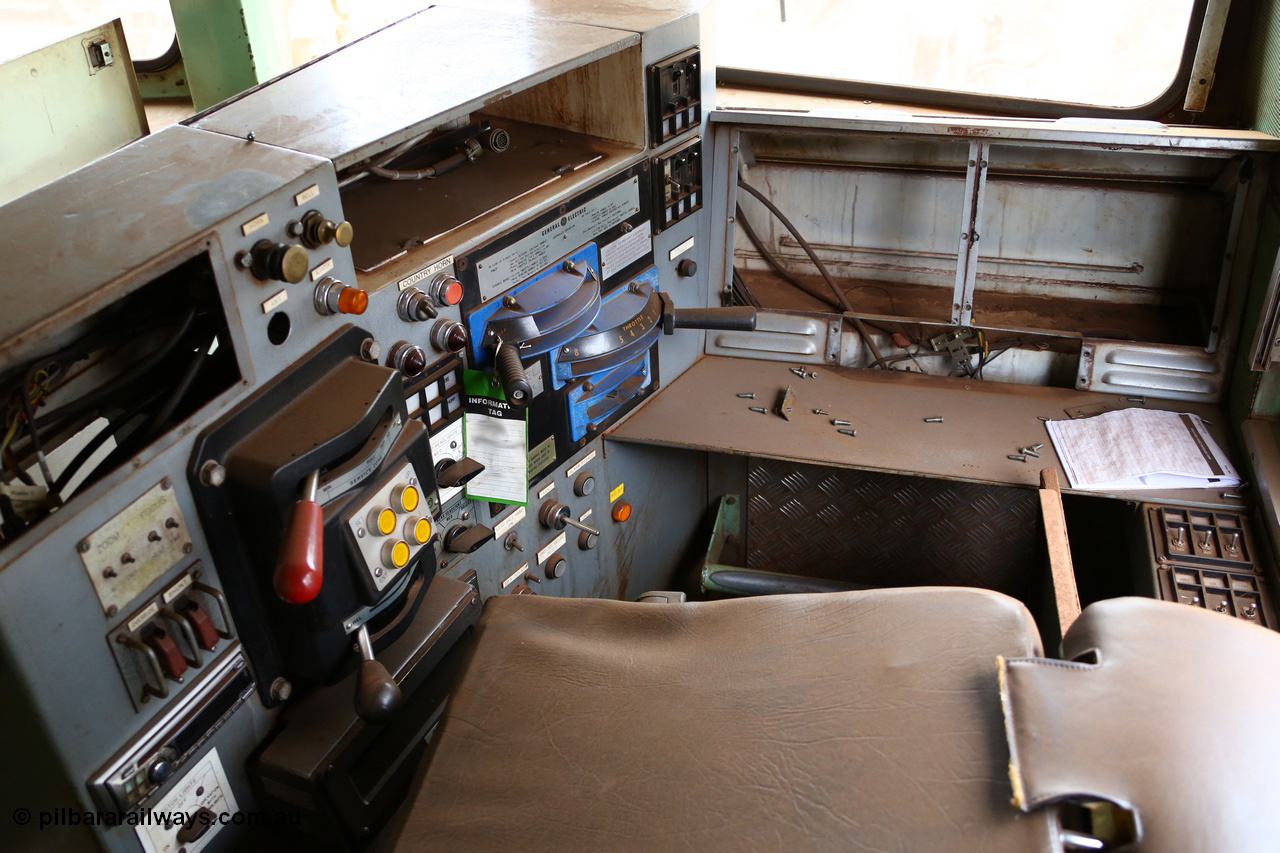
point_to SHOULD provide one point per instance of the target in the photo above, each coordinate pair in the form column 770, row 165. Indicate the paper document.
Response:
column 495, row 434
column 1140, row 449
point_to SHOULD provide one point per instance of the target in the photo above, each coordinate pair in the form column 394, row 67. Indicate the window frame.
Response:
column 1164, row 107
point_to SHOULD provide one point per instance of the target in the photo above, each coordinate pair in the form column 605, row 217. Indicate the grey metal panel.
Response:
column 889, row 529
column 1064, row 131
column 401, row 81
column 984, row 422
column 76, row 241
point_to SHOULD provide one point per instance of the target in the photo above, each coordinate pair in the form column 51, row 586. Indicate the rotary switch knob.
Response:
column 556, row 515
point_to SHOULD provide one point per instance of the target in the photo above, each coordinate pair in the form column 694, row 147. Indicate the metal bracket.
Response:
column 975, row 183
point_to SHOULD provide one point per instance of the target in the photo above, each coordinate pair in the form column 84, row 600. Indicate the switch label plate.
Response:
column 150, row 532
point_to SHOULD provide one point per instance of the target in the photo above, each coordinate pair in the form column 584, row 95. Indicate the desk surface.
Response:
column 984, row 422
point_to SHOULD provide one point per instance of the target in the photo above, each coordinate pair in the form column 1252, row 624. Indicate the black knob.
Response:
column 407, row 358
column 556, row 566
column 687, row 268
column 160, row 770
column 377, row 694
column 279, row 261
column 448, row 336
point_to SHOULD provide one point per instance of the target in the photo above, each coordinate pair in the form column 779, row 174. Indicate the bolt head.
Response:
column 212, row 474
column 281, row 689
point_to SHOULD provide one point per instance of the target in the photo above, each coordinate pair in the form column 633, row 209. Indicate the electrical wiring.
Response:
column 877, row 356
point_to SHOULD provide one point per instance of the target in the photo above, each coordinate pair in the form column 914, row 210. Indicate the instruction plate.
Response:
column 524, row 258
column 126, row 555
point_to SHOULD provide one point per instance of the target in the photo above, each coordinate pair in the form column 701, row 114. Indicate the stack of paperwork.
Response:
column 1140, row 449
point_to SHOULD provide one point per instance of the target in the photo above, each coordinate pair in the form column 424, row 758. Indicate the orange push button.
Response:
column 405, row 498
column 395, row 555
column 417, row 530
column 382, row 521
column 621, row 511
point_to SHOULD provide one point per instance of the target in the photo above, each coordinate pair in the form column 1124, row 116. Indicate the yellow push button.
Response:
column 405, row 498
column 395, row 555
column 418, row 530
column 382, row 521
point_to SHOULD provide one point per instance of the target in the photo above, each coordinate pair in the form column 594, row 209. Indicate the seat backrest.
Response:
column 1170, row 711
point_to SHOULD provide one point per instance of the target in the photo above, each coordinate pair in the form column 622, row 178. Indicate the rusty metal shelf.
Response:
column 983, row 423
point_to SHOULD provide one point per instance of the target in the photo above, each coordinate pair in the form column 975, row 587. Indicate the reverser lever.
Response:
column 300, row 566
column 736, row 319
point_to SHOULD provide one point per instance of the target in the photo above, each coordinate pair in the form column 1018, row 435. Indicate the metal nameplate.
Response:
column 528, row 257
column 127, row 554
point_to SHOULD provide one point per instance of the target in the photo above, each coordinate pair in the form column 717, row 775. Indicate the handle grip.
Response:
column 736, row 319
column 377, row 694
column 515, row 382
column 300, row 567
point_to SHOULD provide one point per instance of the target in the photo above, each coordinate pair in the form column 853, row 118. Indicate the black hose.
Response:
column 128, row 376
column 877, row 357
column 97, row 441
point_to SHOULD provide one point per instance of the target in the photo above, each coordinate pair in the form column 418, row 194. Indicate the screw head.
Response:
column 212, row 474
column 281, row 689
column 83, row 546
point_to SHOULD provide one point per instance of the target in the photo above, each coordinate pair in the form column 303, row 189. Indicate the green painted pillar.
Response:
column 228, row 46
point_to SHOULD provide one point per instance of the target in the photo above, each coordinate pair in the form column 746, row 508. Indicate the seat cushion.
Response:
column 1168, row 710
column 858, row 720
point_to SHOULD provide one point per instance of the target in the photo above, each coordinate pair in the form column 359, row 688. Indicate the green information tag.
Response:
column 495, row 434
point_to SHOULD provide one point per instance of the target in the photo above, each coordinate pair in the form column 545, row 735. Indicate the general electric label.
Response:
column 534, row 253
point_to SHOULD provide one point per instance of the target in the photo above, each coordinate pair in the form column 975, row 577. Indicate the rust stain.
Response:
column 968, row 131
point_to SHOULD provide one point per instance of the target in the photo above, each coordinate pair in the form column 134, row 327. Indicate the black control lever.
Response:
column 450, row 474
column 515, row 382
column 737, row 319
column 377, row 694
column 463, row 540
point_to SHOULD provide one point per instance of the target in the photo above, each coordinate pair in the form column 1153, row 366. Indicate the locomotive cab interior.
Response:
column 555, row 446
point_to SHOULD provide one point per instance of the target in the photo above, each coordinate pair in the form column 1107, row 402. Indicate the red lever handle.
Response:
column 300, row 567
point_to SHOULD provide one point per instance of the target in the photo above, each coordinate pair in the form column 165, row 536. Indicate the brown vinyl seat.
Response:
column 846, row 721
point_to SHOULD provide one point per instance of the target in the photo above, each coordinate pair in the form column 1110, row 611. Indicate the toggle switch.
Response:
column 414, row 306
column 201, row 625
column 171, row 659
